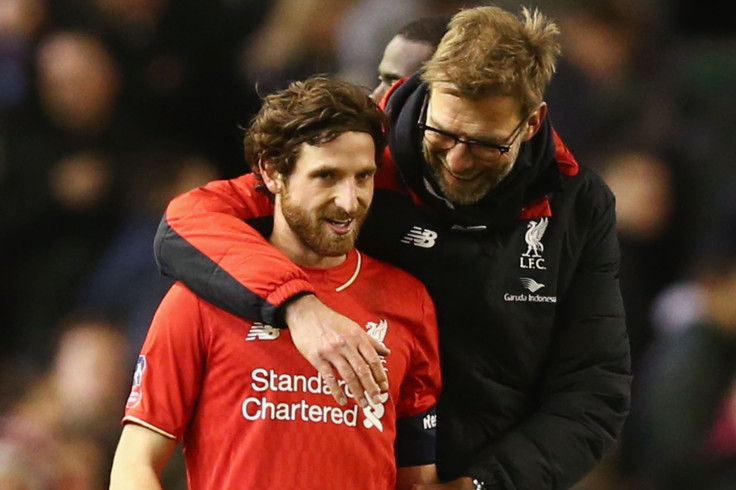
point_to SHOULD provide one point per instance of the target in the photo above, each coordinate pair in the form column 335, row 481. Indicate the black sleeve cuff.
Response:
column 416, row 439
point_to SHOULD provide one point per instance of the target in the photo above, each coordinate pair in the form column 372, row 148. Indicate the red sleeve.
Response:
column 204, row 242
column 422, row 384
column 416, row 423
column 168, row 374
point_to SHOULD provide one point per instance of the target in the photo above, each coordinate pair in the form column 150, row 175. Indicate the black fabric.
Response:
column 416, row 439
column 536, row 384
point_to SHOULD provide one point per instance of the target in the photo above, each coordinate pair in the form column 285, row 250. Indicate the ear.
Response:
column 535, row 121
column 273, row 180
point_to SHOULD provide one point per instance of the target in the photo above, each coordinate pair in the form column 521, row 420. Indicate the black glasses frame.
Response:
column 470, row 143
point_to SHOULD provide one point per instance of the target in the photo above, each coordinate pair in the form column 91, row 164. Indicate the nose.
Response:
column 458, row 159
column 379, row 92
column 346, row 196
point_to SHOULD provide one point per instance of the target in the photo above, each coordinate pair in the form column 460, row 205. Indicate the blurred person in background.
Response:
column 654, row 214
column 407, row 51
column 683, row 428
column 124, row 283
column 180, row 65
column 60, row 433
column 58, row 199
column 21, row 24
column 615, row 82
column 367, row 26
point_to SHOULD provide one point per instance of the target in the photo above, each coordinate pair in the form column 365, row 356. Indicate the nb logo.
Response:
column 420, row 237
column 259, row 331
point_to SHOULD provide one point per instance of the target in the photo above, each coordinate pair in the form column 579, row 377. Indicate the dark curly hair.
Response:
column 314, row 111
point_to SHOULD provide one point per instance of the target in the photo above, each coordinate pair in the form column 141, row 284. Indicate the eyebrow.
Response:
column 388, row 75
column 339, row 169
column 471, row 139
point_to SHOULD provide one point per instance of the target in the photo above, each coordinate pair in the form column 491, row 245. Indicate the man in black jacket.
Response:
column 516, row 243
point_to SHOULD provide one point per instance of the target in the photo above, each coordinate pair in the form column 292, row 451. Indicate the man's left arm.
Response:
column 585, row 395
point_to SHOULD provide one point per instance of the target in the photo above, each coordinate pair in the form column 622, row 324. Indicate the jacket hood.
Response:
column 534, row 175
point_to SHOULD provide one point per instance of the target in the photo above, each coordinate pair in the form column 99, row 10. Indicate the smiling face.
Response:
column 322, row 203
column 462, row 177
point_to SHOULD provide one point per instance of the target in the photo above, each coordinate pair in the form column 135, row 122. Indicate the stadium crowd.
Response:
column 109, row 108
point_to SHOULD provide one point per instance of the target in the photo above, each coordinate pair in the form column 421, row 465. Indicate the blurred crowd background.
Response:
column 109, row 108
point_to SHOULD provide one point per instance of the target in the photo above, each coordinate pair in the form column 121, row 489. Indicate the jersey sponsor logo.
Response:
column 420, row 237
column 374, row 412
column 532, row 258
column 532, row 285
column 528, row 298
column 134, row 399
column 429, row 421
column 259, row 331
column 268, row 383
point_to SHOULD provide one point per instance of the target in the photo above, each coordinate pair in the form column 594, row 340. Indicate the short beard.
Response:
column 309, row 228
column 465, row 195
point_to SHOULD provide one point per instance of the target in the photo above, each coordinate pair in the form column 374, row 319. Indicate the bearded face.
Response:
column 327, row 230
column 470, row 145
column 323, row 202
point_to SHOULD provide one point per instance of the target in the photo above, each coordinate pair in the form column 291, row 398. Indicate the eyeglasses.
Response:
column 444, row 140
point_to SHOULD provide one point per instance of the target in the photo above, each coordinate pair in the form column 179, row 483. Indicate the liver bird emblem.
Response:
column 533, row 237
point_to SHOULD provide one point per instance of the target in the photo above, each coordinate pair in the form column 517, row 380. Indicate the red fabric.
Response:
column 211, row 218
column 208, row 375
column 721, row 441
column 565, row 159
column 384, row 100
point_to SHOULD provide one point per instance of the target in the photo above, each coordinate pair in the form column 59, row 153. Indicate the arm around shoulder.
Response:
column 205, row 242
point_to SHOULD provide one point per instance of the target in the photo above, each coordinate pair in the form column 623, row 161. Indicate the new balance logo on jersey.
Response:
column 420, row 237
column 259, row 331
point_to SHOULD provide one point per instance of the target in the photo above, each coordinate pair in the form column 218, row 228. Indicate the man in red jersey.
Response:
column 251, row 411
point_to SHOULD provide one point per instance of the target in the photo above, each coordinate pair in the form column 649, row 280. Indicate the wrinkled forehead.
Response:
column 478, row 115
column 349, row 151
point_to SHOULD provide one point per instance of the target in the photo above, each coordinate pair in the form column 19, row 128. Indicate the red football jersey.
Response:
column 253, row 413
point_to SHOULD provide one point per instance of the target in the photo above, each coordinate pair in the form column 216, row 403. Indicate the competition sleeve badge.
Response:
column 135, row 391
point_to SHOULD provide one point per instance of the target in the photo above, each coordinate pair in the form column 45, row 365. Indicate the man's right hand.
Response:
column 331, row 341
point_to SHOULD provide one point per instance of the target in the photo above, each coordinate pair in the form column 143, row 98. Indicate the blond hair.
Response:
column 489, row 51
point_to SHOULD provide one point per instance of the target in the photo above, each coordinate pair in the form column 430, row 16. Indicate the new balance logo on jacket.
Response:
column 420, row 237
